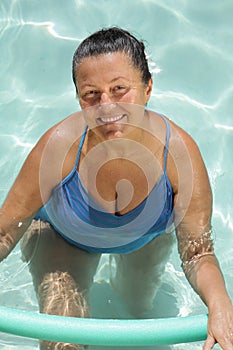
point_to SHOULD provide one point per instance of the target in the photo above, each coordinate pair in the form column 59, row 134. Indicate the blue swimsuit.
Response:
column 76, row 216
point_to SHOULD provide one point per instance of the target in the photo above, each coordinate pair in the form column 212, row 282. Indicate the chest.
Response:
column 119, row 185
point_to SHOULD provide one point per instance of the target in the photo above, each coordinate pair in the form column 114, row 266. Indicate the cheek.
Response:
column 83, row 104
column 134, row 96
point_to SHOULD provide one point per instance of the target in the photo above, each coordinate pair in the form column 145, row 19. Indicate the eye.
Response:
column 90, row 94
column 119, row 89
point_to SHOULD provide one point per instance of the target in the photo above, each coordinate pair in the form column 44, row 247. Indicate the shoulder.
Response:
column 185, row 161
column 64, row 132
column 47, row 161
column 181, row 143
column 58, row 140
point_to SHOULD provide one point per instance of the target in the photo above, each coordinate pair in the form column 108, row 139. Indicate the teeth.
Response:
column 111, row 119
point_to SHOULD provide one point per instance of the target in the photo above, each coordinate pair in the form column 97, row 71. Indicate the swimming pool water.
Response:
column 190, row 49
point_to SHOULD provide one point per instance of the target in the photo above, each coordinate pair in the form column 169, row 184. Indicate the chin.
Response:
column 113, row 131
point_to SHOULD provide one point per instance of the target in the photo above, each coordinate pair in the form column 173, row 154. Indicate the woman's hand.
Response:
column 220, row 326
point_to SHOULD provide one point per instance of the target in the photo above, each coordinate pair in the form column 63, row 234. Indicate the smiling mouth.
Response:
column 109, row 119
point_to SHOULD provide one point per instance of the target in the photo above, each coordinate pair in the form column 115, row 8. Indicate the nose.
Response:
column 106, row 105
column 105, row 98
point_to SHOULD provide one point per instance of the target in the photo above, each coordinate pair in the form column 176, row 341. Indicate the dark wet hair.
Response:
column 112, row 40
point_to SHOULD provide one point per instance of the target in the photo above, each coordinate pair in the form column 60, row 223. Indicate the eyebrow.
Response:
column 111, row 81
column 118, row 78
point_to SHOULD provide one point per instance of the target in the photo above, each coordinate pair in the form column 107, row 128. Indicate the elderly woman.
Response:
column 114, row 178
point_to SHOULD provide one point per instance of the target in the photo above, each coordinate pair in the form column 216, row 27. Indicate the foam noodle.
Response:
column 103, row 331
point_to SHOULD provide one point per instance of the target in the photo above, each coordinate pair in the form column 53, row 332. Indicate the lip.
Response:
column 110, row 119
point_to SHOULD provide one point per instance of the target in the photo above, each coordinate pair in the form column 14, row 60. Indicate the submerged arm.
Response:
column 22, row 201
column 193, row 211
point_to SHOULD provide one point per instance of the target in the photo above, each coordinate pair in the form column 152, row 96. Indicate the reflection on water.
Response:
column 190, row 55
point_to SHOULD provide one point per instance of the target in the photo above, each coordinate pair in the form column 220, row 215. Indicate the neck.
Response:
column 116, row 146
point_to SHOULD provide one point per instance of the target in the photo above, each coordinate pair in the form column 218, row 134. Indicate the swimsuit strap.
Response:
column 168, row 133
column 80, row 147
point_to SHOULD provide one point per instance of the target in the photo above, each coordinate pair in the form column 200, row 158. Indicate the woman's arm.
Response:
column 22, row 202
column 193, row 210
column 40, row 173
column 48, row 163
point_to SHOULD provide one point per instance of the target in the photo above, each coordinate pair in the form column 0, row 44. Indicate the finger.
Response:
column 209, row 343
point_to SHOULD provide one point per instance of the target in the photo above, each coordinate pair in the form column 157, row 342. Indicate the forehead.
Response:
column 106, row 67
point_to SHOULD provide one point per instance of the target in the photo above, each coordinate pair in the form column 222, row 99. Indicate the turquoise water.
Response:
column 190, row 49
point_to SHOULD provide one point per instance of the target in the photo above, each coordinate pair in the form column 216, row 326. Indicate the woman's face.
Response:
column 107, row 81
column 110, row 78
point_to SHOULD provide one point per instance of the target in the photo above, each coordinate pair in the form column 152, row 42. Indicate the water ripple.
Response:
column 50, row 27
column 17, row 140
column 225, row 127
column 185, row 98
